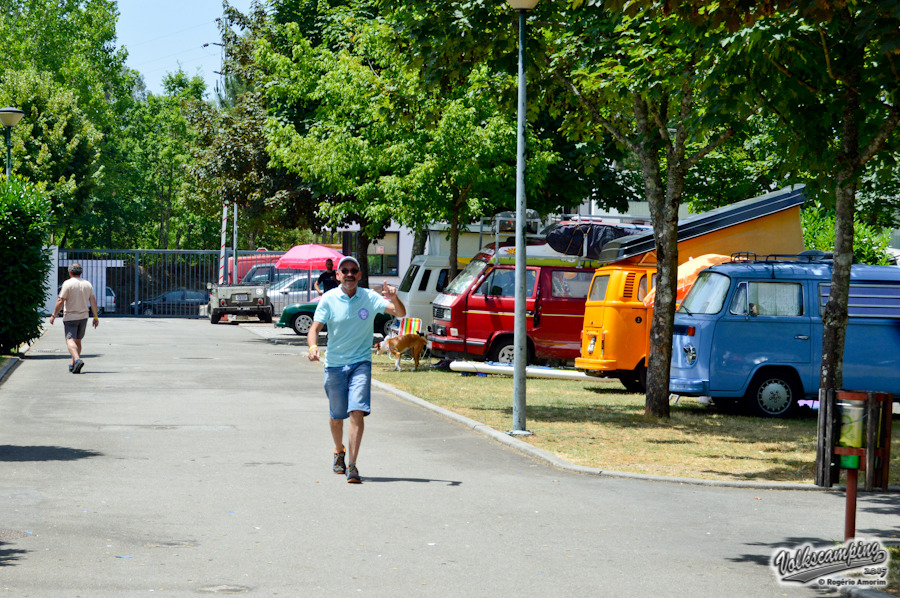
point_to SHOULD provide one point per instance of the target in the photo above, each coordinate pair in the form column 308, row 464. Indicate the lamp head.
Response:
column 522, row 4
column 10, row 117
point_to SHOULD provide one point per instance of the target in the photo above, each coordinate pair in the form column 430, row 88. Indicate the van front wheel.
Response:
column 773, row 393
column 503, row 351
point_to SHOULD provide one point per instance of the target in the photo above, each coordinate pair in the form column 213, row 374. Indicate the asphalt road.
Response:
column 190, row 459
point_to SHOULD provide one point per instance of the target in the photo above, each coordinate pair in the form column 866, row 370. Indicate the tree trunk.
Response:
column 834, row 318
column 362, row 255
column 665, row 234
column 454, row 239
column 419, row 242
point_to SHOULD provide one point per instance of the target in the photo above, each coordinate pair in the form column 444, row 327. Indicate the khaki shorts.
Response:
column 75, row 329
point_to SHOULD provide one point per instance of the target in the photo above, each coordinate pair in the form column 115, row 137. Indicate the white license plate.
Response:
column 242, row 297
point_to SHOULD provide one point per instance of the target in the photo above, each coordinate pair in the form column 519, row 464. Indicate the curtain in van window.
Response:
column 777, row 298
column 570, row 284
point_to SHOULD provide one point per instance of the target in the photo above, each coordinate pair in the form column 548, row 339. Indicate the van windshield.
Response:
column 466, row 277
column 707, row 295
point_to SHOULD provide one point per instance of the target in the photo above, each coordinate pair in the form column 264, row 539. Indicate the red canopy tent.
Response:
column 308, row 257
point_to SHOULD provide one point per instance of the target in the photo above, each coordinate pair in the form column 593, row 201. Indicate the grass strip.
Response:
column 596, row 423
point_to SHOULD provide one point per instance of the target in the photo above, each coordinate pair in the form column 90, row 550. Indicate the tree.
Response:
column 55, row 143
column 158, row 142
column 839, row 62
column 231, row 165
column 650, row 81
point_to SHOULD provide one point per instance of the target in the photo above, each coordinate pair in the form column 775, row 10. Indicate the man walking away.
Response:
column 76, row 295
column 349, row 313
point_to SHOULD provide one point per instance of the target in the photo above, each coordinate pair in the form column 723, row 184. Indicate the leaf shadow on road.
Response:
column 15, row 453
column 785, row 543
column 9, row 556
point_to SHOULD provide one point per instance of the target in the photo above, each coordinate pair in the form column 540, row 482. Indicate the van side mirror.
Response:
column 209, row 286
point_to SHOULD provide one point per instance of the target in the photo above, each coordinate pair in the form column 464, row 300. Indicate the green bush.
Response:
column 24, row 263
column 869, row 242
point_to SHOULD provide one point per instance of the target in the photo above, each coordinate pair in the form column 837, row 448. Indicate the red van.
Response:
column 473, row 317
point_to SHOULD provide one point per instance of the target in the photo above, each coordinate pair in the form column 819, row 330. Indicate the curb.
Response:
column 551, row 459
column 8, row 366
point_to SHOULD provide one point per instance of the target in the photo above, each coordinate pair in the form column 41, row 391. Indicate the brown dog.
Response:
column 396, row 345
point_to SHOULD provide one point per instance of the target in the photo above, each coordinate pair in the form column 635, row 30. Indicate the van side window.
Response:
column 442, row 280
column 406, row 285
column 425, row 276
column 775, row 298
column 642, row 288
column 867, row 300
column 573, row 285
column 598, row 288
column 501, row 282
column 739, row 302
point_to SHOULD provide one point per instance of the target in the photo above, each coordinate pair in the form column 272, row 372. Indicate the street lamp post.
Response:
column 10, row 117
column 520, row 326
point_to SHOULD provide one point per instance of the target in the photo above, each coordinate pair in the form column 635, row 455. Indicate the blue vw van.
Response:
column 751, row 330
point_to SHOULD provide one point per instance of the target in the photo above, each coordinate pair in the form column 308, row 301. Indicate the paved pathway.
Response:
column 191, row 459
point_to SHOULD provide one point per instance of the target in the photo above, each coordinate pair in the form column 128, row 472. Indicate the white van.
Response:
column 424, row 280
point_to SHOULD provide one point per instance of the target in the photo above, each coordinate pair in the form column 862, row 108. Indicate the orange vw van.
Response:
column 615, row 338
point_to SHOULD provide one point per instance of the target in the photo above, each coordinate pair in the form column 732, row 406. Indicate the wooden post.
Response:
column 827, row 472
column 872, row 427
column 850, row 509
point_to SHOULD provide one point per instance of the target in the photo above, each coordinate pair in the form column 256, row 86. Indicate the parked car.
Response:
column 751, row 331
column 106, row 305
column 179, row 302
column 299, row 317
column 109, row 306
column 473, row 318
column 293, row 290
column 426, row 277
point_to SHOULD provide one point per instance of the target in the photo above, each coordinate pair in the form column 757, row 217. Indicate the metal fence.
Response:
column 129, row 282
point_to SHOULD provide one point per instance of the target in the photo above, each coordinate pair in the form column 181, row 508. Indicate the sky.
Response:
column 161, row 34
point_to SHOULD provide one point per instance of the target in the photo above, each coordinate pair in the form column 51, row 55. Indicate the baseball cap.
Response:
column 347, row 259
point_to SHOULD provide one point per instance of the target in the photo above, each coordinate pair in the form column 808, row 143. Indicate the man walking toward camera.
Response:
column 77, row 296
column 349, row 314
column 328, row 279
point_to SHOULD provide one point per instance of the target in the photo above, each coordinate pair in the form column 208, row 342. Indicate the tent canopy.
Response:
column 308, row 257
column 687, row 274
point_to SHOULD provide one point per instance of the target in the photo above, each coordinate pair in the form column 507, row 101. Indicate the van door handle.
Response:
column 802, row 337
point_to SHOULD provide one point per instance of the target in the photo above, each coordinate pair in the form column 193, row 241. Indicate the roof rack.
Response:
column 806, row 257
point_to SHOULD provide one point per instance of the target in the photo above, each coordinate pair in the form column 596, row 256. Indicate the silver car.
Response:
column 293, row 290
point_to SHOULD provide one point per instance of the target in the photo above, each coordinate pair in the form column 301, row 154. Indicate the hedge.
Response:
column 24, row 262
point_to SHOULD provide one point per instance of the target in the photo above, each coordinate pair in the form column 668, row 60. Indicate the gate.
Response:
column 147, row 282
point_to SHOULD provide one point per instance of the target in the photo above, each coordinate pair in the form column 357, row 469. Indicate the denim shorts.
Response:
column 75, row 329
column 349, row 388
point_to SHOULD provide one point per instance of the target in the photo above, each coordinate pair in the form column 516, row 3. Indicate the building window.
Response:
column 383, row 253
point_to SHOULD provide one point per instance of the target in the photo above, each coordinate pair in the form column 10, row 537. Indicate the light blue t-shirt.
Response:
column 350, row 324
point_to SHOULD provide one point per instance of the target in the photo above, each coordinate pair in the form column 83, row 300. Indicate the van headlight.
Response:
column 690, row 354
column 592, row 344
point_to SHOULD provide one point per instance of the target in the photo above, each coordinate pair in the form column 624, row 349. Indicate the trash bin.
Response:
column 853, row 416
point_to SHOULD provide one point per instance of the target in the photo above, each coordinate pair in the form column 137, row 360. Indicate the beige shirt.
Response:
column 77, row 294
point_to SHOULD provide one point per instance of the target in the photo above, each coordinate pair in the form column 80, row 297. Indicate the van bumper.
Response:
column 689, row 386
column 601, row 365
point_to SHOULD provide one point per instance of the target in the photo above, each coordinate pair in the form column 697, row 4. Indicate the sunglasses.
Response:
column 350, row 271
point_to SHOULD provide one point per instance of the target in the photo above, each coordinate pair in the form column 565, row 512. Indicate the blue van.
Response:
column 751, row 330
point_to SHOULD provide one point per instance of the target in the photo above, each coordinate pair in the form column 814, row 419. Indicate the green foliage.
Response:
column 869, row 242
column 55, row 143
column 24, row 228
